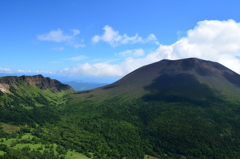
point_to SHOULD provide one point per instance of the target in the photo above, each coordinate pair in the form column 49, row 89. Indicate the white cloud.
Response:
column 75, row 44
column 104, row 69
column 56, row 36
column 29, row 71
column 114, row 38
column 24, row 71
column 134, row 53
column 96, row 70
column 151, row 37
column 5, row 70
column 75, row 32
column 78, row 58
column 211, row 40
column 58, row 48
column 59, row 36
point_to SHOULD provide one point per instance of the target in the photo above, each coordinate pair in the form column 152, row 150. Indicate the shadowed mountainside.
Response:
column 186, row 78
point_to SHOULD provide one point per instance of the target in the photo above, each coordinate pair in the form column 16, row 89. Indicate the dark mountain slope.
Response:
column 187, row 78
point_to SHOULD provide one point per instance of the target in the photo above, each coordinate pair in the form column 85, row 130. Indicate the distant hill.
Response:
column 84, row 86
column 29, row 91
column 39, row 81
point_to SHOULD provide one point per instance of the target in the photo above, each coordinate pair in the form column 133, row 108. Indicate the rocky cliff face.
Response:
column 39, row 81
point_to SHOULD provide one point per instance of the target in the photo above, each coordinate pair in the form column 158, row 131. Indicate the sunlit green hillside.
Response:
column 167, row 110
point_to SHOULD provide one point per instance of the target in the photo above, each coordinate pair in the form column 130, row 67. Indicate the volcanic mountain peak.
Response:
column 194, row 66
column 191, row 78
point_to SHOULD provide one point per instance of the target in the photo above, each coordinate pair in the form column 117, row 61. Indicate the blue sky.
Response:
column 110, row 38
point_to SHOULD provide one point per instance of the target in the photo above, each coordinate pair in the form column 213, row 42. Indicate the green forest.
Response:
column 64, row 127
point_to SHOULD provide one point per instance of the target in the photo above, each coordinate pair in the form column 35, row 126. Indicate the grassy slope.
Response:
column 149, row 157
column 2, row 153
column 38, row 98
column 9, row 128
column 29, row 136
column 75, row 155
column 28, row 95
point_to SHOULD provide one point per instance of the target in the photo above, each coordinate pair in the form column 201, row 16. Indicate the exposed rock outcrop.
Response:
column 39, row 81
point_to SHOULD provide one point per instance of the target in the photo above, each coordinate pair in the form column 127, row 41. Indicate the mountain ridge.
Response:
column 32, row 91
column 39, row 81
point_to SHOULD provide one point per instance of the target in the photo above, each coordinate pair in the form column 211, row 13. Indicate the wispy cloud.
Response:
column 29, row 71
column 75, row 32
column 114, row 38
column 75, row 44
column 24, row 71
column 133, row 53
column 59, row 36
column 5, row 70
column 58, row 48
column 78, row 58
